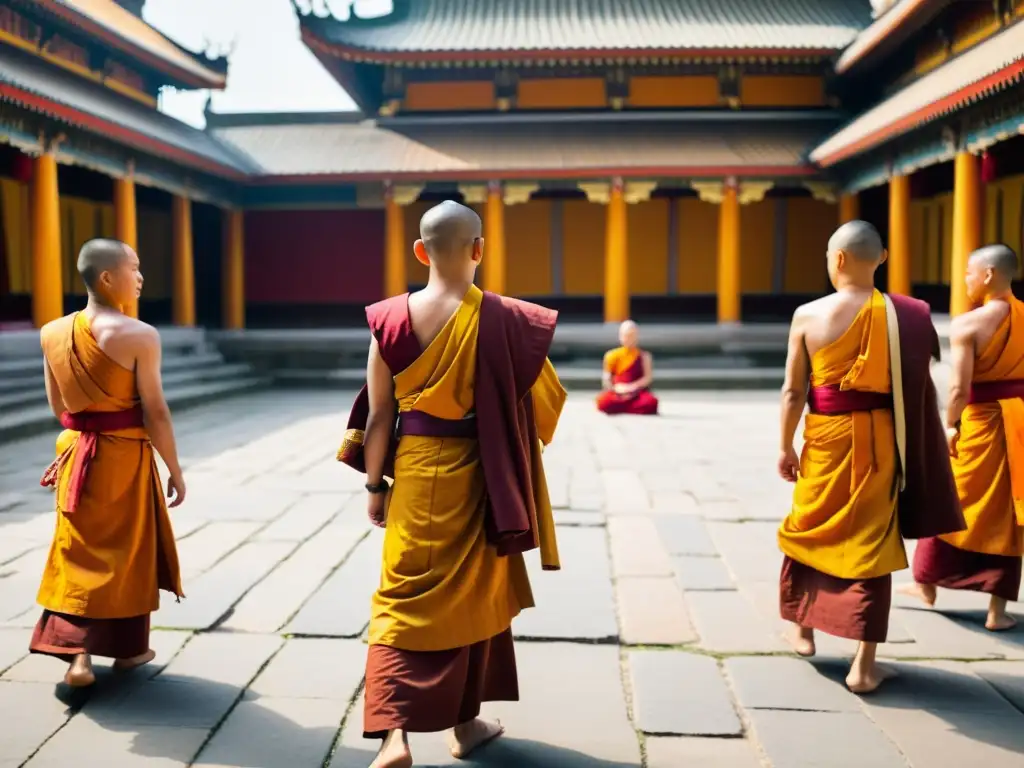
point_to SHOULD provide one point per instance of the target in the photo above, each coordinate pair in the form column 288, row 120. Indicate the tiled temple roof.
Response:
column 518, row 27
column 354, row 150
column 129, row 34
column 989, row 67
column 35, row 84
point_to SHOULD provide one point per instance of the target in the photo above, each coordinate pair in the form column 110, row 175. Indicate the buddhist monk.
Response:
column 985, row 429
column 113, row 549
column 627, row 376
column 467, row 374
column 869, row 434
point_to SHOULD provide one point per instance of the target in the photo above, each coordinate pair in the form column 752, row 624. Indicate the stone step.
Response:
column 577, row 378
column 29, row 421
column 32, row 391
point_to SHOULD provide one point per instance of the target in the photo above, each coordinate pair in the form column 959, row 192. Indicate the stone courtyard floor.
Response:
column 657, row 645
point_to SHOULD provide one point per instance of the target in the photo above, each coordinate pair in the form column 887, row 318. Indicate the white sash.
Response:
column 899, row 417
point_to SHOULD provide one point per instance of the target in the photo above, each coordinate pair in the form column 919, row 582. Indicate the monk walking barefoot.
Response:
column 841, row 539
column 476, row 399
column 627, row 377
column 113, row 550
column 985, row 432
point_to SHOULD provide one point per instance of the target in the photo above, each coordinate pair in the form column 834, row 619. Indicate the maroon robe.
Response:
column 639, row 403
column 941, row 564
column 928, row 505
column 425, row 691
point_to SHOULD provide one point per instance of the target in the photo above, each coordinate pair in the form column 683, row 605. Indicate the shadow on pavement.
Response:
column 505, row 752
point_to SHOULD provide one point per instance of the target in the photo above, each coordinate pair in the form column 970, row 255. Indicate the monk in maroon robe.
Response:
column 475, row 396
column 626, row 378
column 985, row 430
column 873, row 468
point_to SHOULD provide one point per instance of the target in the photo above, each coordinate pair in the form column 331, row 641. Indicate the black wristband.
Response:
column 381, row 487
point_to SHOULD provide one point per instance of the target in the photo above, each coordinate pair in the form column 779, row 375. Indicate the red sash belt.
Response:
column 994, row 391
column 425, row 425
column 833, row 401
column 90, row 425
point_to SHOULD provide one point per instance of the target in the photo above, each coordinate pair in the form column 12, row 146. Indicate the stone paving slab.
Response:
column 685, row 535
column 578, row 601
column 120, row 746
column 673, row 752
column 681, row 694
column 702, row 574
column 31, row 713
column 305, row 518
column 652, row 612
column 636, row 548
column 823, row 740
column 313, row 669
column 773, row 682
column 210, row 596
column 728, row 623
column 341, row 606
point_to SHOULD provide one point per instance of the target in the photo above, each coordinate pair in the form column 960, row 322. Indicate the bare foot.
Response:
column 1000, row 622
column 866, row 681
column 80, row 674
column 802, row 640
column 926, row 593
column 126, row 665
column 394, row 752
column 463, row 739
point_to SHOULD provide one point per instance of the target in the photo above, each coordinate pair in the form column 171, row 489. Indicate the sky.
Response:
column 270, row 69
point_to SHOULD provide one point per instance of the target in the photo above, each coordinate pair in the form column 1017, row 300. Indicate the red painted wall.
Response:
column 314, row 257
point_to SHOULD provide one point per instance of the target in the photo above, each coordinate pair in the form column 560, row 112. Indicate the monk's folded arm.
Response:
column 961, row 361
column 794, row 388
column 380, row 387
column 156, row 413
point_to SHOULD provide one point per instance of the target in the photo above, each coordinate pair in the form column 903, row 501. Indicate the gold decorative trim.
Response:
column 639, row 191
column 823, row 191
column 519, row 193
column 709, row 191
column 596, row 191
column 351, row 444
column 473, row 194
column 753, row 191
column 402, row 194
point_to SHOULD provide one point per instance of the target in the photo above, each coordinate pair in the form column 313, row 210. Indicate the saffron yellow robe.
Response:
column 112, row 555
column 989, row 466
column 843, row 521
column 443, row 586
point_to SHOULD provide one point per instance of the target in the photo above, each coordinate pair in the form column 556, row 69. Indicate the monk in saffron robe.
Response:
column 627, row 376
column 475, row 396
column 842, row 538
column 985, row 429
column 113, row 549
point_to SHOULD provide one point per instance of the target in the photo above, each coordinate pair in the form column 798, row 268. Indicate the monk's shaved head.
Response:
column 859, row 240
column 449, row 230
column 99, row 256
column 999, row 258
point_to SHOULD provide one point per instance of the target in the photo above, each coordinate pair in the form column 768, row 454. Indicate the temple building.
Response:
column 670, row 159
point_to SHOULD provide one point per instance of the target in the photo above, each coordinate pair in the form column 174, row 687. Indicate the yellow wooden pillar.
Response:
column 495, row 268
column 616, row 258
column 899, row 235
column 47, row 285
column 966, row 226
column 729, row 254
column 183, row 296
column 849, row 208
column 395, row 280
column 233, row 270
column 125, row 224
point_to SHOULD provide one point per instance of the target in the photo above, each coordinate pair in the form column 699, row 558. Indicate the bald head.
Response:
column 999, row 258
column 99, row 256
column 858, row 240
column 448, row 230
column 628, row 333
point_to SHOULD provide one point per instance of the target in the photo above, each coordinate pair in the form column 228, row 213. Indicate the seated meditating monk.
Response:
column 113, row 549
column 872, row 444
column 467, row 375
column 985, row 428
column 627, row 376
